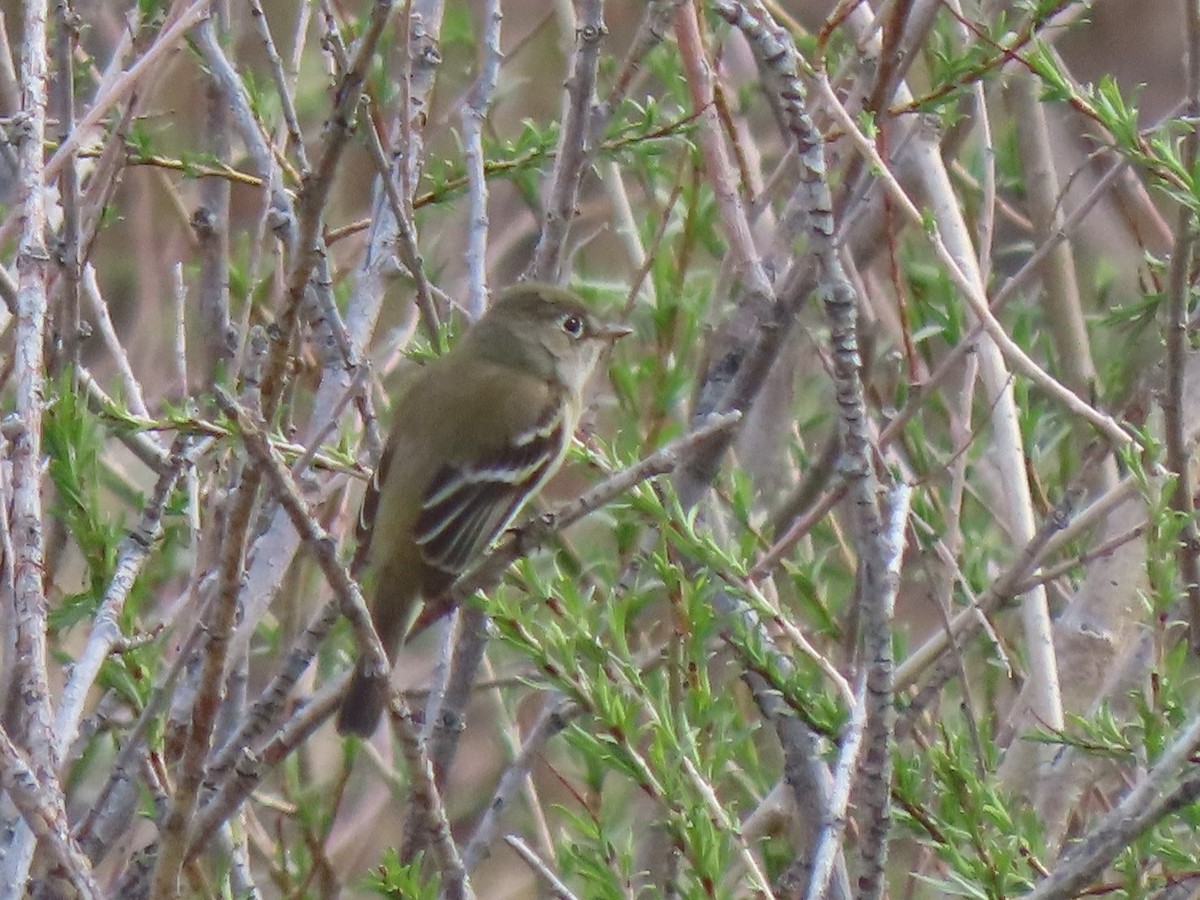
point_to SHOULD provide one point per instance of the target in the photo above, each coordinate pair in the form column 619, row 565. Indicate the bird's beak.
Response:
column 613, row 332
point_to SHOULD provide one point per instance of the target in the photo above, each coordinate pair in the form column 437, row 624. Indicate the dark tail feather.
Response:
column 363, row 703
column 368, row 693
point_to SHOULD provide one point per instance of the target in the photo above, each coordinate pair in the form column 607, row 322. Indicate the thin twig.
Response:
column 106, row 633
column 1146, row 804
column 251, row 767
column 68, row 250
column 875, row 538
column 117, row 89
column 219, row 621
column 315, row 538
column 575, row 145
column 406, row 235
column 210, row 221
column 555, row 714
column 1179, row 295
column 474, row 114
column 971, row 290
column 282, row 89
column 733, row 381
column 427, row 800
column 554, row 884
column 827, row 846
column 1047, row 574
column 114, row 804
column 43, row 811
column 310, row 203
column 266, row 711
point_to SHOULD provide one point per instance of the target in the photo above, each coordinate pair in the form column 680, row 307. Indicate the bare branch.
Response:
column 554, row 884
column 43, row 812
column 575, row 145
column 474, row 114
column 29, row 715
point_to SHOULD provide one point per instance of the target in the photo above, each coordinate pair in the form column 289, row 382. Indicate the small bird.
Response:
column 476, row 433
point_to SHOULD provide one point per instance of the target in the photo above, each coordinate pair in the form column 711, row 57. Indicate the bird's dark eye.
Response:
column 572, row 325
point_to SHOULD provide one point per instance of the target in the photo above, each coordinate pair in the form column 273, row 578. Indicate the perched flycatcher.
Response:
column 476, row 433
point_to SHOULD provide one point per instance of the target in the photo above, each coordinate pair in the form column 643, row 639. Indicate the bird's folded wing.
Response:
column 467, row 505
column 368, row 511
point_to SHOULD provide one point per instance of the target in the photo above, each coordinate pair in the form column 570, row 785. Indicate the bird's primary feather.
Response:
column 467, row 505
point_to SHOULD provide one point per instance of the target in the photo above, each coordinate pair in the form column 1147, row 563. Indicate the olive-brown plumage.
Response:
column 476, row 433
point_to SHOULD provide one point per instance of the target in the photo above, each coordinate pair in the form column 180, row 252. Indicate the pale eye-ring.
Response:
column 572, row 325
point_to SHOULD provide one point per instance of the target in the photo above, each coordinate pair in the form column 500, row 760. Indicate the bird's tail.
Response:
column 363, row 703
column 393, row 613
